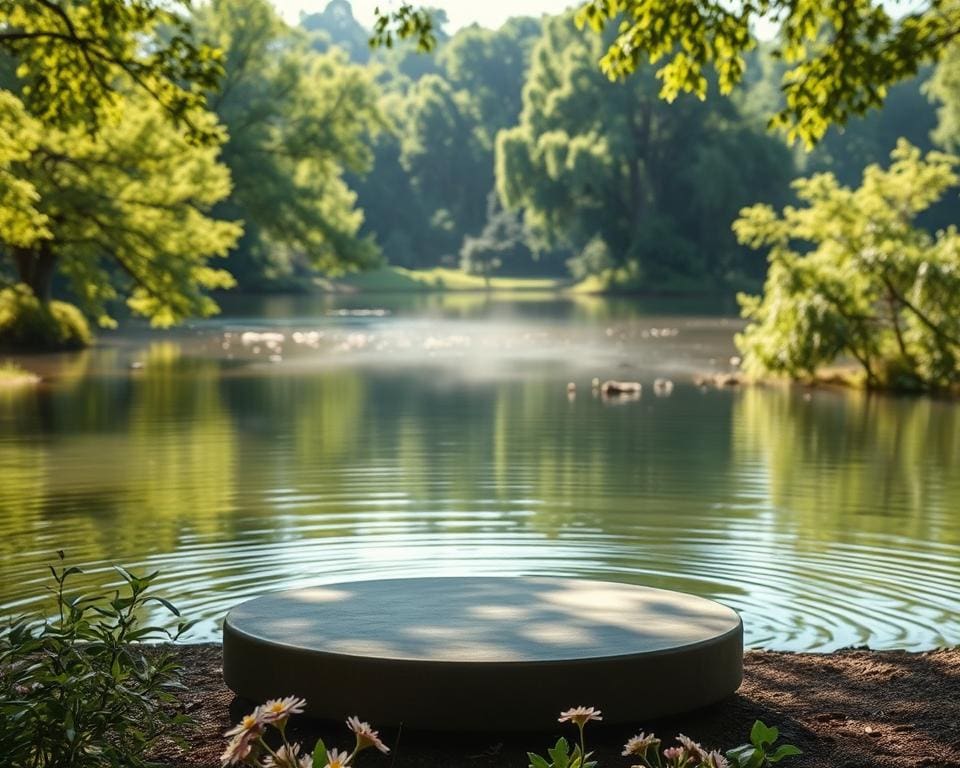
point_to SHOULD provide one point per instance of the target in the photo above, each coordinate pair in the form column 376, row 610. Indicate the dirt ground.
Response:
column 849, row 709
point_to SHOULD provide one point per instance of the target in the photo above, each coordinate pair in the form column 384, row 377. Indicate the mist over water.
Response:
column 295, row 442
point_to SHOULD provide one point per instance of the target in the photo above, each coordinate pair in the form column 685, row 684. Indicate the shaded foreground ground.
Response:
column 850, row 709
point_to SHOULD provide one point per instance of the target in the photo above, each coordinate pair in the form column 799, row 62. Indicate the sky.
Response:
column 487, row 13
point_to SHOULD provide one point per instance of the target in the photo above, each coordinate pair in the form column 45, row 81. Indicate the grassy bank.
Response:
column 12, row 375
column 399, row 280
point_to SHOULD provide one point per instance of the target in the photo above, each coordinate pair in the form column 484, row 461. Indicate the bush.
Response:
column 28, row 323
column 75, row 691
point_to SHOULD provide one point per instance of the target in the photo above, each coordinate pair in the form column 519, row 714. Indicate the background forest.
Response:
column 508, row 151
column 310, row 153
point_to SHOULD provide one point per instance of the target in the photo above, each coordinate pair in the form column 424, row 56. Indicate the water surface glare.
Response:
column 300, row 442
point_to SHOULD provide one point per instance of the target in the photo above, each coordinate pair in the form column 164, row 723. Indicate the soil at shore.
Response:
column 849, row 709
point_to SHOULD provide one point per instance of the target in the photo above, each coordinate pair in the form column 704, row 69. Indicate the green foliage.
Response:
column 336, row 25
column 560, row 756
column 841, row 57
column 297, row 120
column 76, row 61
column 869, row 283
column 404, row 23
column 944, row 87
column 76, row 691
column 488, row 68
column 759, row 753
column 126, row 213
column 597, row 161
column 21, row 224
column 28, row 323
column 433, row 170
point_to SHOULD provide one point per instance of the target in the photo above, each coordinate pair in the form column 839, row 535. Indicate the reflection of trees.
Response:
column 182, row 445
column 886, row 463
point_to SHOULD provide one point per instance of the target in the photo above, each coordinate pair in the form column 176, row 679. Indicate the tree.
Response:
column 488, row 66
column 653, row 187
column 442, row 150
column 296, row 121
column 336, row 25
column 75, row 61
column 869, row 284
column 841, row 55
column 124, row 212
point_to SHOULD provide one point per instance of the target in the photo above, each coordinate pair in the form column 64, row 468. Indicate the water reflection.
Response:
column 826, row 521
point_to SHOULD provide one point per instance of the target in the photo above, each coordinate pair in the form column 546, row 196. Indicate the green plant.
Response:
column 759, row 753
column 28, row 323
column 248, row 743
column 689, row 754
column 560, row 756
column 77, row 690
column 645, row 748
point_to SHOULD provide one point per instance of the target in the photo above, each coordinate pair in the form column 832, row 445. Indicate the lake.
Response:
column 374, row 436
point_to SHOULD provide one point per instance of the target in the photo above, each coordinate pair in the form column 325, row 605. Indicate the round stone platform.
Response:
column 484, row 653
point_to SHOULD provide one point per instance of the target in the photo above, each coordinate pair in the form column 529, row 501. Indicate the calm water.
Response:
column 435, row 436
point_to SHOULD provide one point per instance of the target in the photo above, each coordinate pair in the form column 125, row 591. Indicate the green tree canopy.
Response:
column 76, row 60
column 841, row 56
column 125, row 211
column 296, row 121
column 650, row 186
column 851, row 275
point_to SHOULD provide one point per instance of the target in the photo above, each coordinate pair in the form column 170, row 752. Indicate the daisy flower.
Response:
column 238, row 749
column 694, row 750
column 288, row 757
column 580, row 715
column 366, row 736
column 715, row 760
column 337, row 759
column 639, row 744
column 252, row 723
column 278, row 710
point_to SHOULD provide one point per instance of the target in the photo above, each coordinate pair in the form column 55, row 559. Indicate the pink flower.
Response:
column 366, row 736
column 676, row 756
column 580, row 716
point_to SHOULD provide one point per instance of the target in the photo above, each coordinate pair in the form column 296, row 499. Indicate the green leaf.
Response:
column 560, row 754
column 763, row 736
column 785, row 750
column 320, row 754
column 536, row 761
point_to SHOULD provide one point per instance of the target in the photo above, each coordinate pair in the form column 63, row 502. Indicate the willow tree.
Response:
column 852, row 276
column 123, row 212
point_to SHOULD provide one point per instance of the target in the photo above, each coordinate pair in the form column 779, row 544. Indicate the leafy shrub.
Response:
column 76, row 691
column 28, row 323
column 852, row 275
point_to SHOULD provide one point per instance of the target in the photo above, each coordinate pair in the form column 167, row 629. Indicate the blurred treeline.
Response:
column 508, row 150
column 502, row 151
